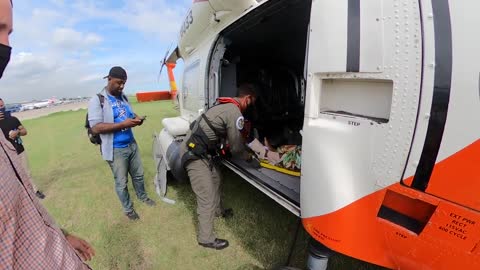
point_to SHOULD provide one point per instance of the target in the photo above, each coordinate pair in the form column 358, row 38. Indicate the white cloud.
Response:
column 53, row 41
column 91, row 77
column 144, row 17
column 67, row 38
column 39, row 76
column 26, row 65
column 31, row 30
column 60, row 3
column 33, row 76
column 149, row 17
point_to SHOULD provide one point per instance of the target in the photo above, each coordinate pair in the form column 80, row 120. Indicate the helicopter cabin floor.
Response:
column 287, row 186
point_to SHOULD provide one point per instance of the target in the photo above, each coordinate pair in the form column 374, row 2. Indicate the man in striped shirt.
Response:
column 29, row 238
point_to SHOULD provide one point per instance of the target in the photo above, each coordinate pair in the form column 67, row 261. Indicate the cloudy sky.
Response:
column 63, row 48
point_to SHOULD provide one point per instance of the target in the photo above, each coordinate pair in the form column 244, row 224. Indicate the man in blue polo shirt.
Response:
column 114, row 122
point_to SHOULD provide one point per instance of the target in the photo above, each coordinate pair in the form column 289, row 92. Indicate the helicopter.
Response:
column 382, row 95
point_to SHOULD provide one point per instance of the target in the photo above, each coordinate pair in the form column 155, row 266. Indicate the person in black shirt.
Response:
column 13, row 129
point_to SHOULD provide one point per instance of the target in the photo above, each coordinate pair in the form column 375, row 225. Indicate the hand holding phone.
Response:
column 4, row 113
column 142, row 119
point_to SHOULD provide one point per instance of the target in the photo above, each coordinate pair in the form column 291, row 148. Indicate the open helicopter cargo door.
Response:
column 363, row 81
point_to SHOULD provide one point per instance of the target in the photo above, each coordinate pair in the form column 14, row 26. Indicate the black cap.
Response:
column 117, row 72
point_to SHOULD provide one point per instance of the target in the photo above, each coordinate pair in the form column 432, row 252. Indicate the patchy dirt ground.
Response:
column 31, row 114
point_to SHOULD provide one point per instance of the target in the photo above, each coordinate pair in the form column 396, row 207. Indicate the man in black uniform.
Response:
column 13, row 129
column 201, row 145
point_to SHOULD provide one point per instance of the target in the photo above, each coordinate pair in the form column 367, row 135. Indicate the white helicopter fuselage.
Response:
column 390, row 106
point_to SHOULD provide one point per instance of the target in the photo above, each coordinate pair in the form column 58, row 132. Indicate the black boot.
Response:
column 132, row 215
column 227, row 213
column 217, row 244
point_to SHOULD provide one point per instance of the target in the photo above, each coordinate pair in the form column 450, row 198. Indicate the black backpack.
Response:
column 94, row 138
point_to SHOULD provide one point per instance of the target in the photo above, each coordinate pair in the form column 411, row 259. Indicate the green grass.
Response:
column 81, row 198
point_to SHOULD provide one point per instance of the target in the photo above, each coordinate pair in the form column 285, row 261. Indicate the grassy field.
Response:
column 81, row 197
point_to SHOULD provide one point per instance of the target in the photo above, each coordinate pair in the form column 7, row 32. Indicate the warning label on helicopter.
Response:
column 457, row 226
column 320, row 235
column 326, row 237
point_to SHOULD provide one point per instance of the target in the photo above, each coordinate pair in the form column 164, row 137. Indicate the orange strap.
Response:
column 225, row 100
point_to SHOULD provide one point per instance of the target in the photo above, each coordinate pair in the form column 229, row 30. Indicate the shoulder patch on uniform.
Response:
column 240, row 123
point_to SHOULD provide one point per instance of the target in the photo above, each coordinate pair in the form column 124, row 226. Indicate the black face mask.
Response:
column 250, row 113
column 5, row 52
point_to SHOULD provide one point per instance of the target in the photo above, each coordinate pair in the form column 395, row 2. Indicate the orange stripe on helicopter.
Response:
column 457, row 178
column 357, row 231
column 171, row 77
column 419, row 231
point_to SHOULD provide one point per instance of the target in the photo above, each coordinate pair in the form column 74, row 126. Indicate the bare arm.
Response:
column 19, row 131
column 82, row 247
column 102, row 128
column 22, row 131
